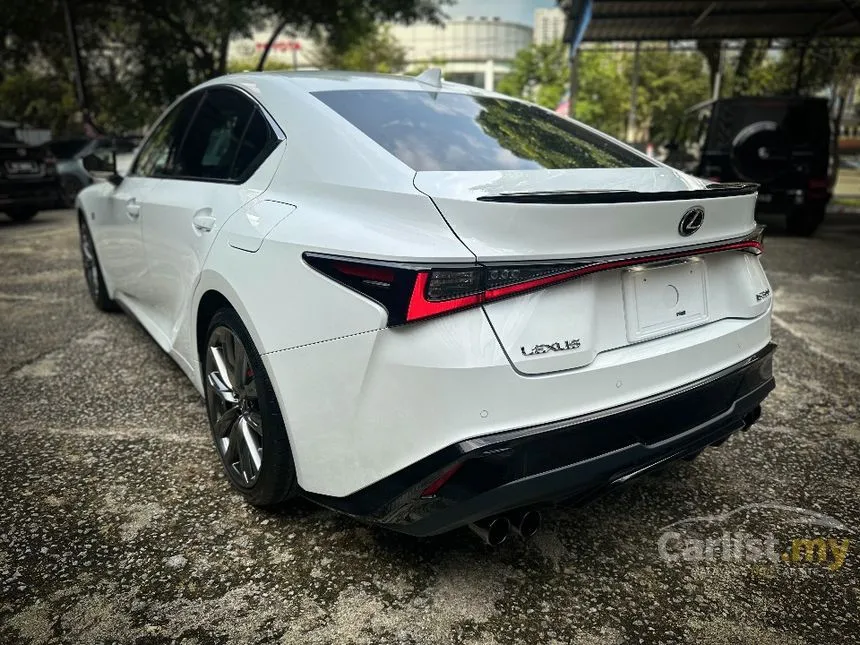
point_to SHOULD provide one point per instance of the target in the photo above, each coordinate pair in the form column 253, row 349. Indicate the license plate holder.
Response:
column 22, row 167
column 663, row 299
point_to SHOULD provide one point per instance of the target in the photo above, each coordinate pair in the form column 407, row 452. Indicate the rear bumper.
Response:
column 782, row 200
column 41, row 194
column 573, row 459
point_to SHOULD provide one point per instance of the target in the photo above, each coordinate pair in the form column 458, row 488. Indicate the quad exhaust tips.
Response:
column 526, row 524
column 495, row 530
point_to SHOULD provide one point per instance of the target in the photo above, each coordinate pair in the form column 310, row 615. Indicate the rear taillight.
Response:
column 411, row 292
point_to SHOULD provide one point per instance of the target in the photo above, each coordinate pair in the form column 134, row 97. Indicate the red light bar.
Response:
column 409, row 293
column 420, row 307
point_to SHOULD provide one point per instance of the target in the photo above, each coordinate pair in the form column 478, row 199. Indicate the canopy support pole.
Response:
column 798, row 79
column 634, row 90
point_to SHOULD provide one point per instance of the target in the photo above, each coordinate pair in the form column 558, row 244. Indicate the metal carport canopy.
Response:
column 629, row 20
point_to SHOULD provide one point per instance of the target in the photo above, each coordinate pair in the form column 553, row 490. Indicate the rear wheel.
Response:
column 804, row 221
column 246, row 422
column 92, row 270
column 22, row 214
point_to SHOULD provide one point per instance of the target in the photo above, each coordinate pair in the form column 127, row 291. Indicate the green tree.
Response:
column 603, row 99
column 140, row 54
column 37, row 100
column 670, row 82
column 377, row 51
column 540, row 74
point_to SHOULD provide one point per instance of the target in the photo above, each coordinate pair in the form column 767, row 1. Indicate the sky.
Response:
column 521, row 11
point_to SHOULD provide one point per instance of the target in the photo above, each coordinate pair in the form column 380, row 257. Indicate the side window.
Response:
column 158, row 157
column 255, row 145
column 226, row 140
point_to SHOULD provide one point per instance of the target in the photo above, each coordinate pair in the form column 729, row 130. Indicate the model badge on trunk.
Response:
column 554, row 347
column 691, row 221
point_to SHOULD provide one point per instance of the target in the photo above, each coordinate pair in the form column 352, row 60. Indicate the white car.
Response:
column 428, row 305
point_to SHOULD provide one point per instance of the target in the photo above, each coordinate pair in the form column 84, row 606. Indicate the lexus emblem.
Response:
column 691, row 221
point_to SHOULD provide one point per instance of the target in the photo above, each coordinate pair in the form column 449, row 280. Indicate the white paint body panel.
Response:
column 384, row 399
column 362, row 400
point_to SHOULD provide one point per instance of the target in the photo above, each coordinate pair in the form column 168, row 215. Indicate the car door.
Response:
column 120, row 243
column 216, row 171
column 121, row 249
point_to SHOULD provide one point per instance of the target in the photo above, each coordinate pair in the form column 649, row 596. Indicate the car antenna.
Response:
column 430, row 76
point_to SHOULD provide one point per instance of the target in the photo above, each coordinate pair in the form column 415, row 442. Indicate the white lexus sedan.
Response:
column 427, row 305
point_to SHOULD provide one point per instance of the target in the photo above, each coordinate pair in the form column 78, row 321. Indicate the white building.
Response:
column 474, row 51
column 549, row 25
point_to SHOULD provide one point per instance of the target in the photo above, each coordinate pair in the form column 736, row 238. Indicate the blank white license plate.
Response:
column 660, row 300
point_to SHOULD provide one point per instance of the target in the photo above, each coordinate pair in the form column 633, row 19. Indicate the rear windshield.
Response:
column 449, row 131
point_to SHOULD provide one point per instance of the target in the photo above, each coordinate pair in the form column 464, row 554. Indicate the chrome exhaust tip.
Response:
column 493, row 530
column 526, row 524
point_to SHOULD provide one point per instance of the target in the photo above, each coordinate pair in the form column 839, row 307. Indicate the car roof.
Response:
column 321, row 81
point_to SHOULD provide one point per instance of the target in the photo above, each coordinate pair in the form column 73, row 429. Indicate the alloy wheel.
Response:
column 234, row 411
column 91, row 269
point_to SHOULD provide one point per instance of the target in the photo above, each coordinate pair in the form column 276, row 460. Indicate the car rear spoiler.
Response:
column 622, row 196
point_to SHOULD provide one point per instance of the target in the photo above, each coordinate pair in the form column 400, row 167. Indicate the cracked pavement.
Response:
column 117, row 524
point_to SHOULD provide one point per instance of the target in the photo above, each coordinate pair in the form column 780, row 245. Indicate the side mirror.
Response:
column 101, row 164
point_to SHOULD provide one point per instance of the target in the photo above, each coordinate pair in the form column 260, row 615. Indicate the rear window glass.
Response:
column 449, row 131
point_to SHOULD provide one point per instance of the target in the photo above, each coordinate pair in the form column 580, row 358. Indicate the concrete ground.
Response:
column 117, row 524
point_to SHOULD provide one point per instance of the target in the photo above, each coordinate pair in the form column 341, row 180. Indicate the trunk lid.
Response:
column 641, row 211
column 539, row 215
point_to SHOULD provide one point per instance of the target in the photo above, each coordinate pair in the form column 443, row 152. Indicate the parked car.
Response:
column 70, row 155
column 28, row 180
column 781, row 143
column 426, row 305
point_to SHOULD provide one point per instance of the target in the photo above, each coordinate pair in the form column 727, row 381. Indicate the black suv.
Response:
column 28, row 180
column 781, row 143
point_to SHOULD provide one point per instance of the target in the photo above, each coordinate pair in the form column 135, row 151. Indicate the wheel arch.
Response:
column 213, row 293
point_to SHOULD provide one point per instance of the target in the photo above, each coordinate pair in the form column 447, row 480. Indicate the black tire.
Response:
column 92, row 270
column 22, row 214
column 275, row 479
column 804, row 221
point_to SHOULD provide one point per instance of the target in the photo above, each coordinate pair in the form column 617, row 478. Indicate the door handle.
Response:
column 132, row 208
column 203, row 221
